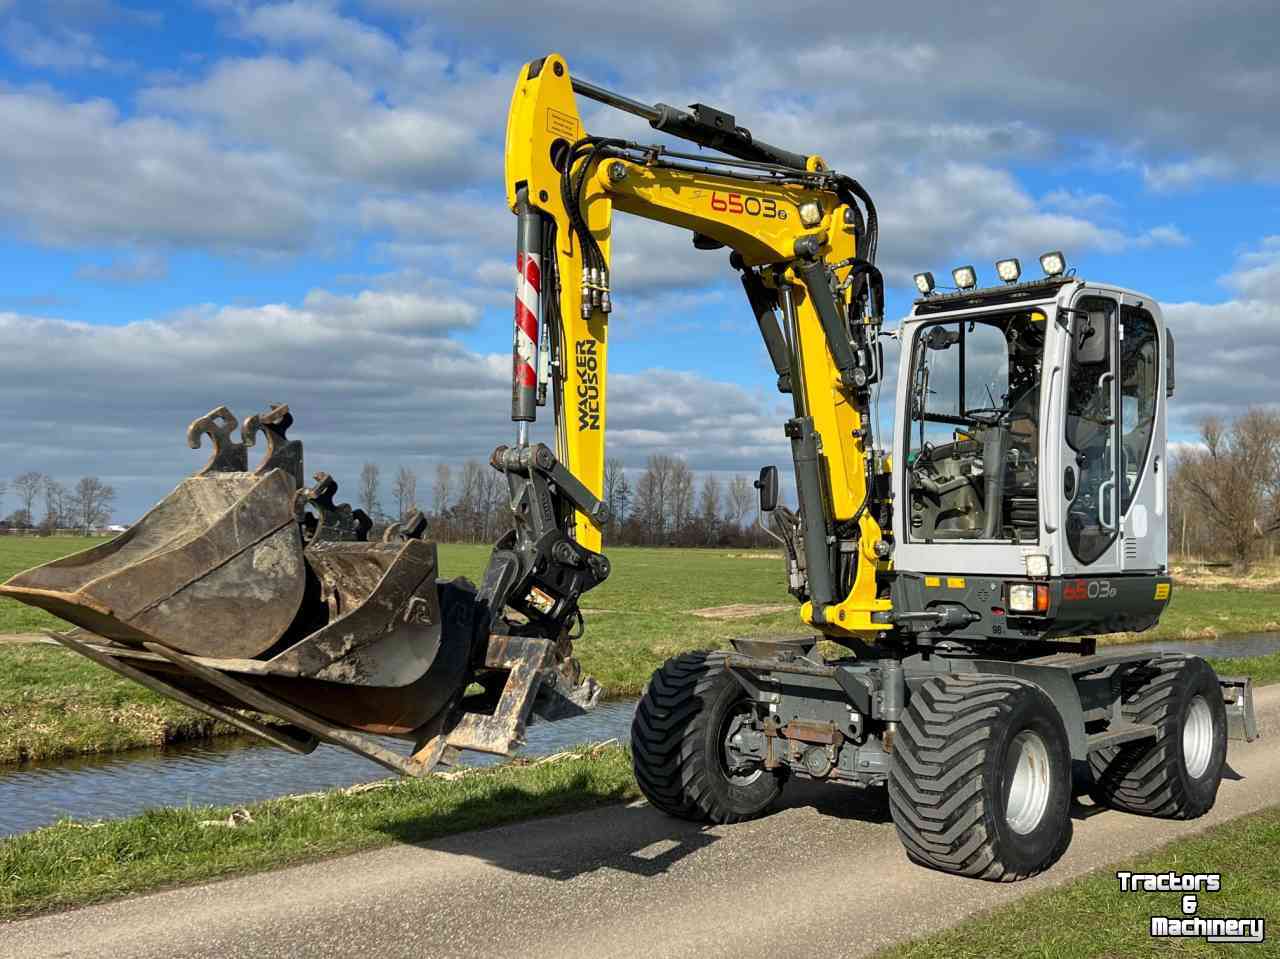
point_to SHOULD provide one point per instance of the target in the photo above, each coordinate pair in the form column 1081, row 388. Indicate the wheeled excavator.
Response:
column 953, row 574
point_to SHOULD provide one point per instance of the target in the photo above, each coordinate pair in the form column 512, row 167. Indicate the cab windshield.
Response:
column 973, row 431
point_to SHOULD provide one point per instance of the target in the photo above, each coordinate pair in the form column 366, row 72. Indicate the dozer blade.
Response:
column 241, row 591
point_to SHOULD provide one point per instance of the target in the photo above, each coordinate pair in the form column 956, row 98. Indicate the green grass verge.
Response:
column 53, row 703
column 1091, row 919
column 18, row 553
column 75, row 863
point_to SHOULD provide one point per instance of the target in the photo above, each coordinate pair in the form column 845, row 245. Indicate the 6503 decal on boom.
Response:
column 766, row 208
column 584, row 358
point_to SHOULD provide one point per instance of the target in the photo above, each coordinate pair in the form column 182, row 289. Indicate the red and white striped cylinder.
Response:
column 528, row 316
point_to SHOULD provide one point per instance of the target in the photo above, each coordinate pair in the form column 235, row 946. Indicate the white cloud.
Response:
column 1079, row 201
column 317, row 25
column 1228, row 353
column 1257, row 276
column 141, row 268
column 372, row 376
column 1167, row 177
column 322, row 117
column 1214, row 77
column 1165, row 235
column 59, row 49
column 78, row 172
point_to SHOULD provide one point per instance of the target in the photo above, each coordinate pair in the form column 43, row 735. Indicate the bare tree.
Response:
column 405, row 490
column 740, row 499
column 1235, row 480
column 28, row 487
column 56, row 498
column 682, row 497
column 440, row 491
column 653, row 496
column 371, row 489
column 492, row 499
column 467, row 507
column 709, row 508
column 92, row 503
column 4, row 491
column 616, row 492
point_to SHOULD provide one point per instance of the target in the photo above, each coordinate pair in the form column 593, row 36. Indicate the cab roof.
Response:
column 1033, row 291
column 993, row 295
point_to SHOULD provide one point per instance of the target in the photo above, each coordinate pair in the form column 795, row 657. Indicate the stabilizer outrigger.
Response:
column 246, row 592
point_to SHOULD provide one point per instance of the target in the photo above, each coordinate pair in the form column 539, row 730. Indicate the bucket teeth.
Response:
column 282, row 453
column 228, row 455
column 413, row 526
column 336, row 522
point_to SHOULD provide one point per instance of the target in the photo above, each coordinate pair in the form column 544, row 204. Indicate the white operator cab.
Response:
column 1031, row 443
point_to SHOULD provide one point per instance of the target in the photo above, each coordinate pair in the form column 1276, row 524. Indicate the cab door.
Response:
column 1142, row 468
column 1091, row 461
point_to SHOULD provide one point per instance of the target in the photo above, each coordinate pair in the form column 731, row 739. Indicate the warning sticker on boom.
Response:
column 561, row 124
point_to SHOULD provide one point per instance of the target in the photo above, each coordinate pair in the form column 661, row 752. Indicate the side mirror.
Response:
column 767, row 484
column 1091, row 341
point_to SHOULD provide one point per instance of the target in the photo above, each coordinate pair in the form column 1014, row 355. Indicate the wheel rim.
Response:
column 1026, row 770
column 733, row 721
column 1197, row 737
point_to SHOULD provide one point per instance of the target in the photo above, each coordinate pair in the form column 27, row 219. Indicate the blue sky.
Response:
column 300, row 201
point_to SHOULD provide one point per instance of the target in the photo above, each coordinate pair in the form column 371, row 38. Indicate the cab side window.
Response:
column 1139, row 383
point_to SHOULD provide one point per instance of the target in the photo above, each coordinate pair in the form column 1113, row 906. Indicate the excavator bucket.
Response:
column 244, row 592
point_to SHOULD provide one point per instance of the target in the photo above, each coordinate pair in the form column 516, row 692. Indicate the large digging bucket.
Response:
column 215, row 569
column 242, row 591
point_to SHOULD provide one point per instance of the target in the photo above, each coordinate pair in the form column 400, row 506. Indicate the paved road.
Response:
column 824, row 876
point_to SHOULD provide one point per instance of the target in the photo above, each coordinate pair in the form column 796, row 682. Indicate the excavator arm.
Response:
column 802, row 238
column 246, row 592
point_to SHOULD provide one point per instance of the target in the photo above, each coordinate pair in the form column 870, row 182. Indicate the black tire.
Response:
column 1152, row 777
column 949, row 778
column 677, row 744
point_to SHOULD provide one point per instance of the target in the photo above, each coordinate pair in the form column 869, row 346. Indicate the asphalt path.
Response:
column 824, row 876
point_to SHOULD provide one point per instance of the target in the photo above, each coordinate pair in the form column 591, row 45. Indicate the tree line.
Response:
column 663, row 504
column 1224, row 499
column 1224, row 493
column 45, row 504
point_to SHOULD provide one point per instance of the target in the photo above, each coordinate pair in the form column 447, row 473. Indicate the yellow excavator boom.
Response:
column 791, row 230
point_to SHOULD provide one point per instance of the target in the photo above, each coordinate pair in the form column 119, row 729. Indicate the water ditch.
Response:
column 233, row 771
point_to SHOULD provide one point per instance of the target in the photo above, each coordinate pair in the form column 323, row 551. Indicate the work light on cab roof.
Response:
column 1009, row 270
column 1053, row 263
column 966, row 277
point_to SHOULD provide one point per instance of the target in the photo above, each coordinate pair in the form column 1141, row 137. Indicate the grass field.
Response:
column 22, row 552
column 1091, row 919
column 53, row 703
